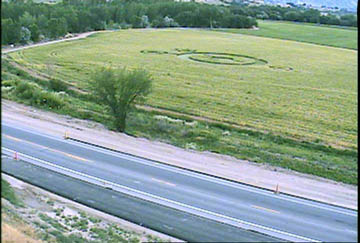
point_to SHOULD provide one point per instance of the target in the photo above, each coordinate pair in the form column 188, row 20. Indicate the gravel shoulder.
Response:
column 260, row 175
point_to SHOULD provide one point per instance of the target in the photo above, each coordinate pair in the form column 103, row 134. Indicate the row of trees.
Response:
column 24, row 21
column 298, row 14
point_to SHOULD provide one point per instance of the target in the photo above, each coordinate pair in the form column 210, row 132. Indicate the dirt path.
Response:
column 78, row 36
column 220, row 165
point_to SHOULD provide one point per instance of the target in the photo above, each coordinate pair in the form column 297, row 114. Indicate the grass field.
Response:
column 323, row 35
column 296, row 103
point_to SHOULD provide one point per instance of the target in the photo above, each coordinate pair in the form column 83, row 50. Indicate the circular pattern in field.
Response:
column 222, row 58
column 211, row 57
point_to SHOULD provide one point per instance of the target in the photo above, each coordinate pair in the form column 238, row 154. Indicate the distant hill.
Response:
column 348, row 4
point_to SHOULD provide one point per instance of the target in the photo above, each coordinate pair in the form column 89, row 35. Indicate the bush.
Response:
column 50, row 100
column 164, row 127
column 57, row 85
column 9, row 83
column 32, row 93
column 25, row 90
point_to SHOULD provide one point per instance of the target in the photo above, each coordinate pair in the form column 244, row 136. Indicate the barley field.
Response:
column 296, row 90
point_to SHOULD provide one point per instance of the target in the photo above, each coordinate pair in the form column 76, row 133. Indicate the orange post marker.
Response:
column 277, row 189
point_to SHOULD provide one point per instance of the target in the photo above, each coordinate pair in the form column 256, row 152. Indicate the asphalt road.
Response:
column 279, row 215
column 163, row 219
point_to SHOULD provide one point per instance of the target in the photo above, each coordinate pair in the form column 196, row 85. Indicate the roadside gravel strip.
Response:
column 170, row 221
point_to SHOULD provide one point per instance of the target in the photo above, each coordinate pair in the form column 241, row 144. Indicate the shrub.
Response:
column 9, row 83
column 47, row 99
column 35, row 96
column 164, row 126
column 57, row 85
column 25, row 90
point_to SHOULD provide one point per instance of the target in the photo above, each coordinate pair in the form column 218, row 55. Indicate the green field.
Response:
column 296, row 102
column 323, row 35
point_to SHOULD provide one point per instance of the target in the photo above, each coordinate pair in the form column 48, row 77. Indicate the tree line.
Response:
column 297, row 14
column 24, row 21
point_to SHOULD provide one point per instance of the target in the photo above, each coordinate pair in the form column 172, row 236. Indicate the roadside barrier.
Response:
column 66, row 136
column 277, row 189
column 16, row 156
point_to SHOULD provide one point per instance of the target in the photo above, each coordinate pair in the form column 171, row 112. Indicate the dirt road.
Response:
column 78, row 36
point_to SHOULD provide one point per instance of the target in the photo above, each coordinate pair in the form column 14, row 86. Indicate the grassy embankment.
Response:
column 8, row 193
column 298, row 111
column 13, row 229
column 311, row 33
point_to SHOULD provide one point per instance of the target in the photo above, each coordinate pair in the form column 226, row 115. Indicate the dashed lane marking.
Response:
column 163, row 182
column 266, row 209
column 50, row 149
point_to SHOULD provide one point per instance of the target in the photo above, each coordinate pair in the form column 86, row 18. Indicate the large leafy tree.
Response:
column 118, row 89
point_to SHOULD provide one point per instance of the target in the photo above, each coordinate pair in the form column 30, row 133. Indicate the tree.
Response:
column 25, row 35
column 5, row 29
column 10, row 32
column 57, row 27
column 26, row 20
column 292, row 16
column 145, row 21
column 52, row 27
column 42, row 23
column 118, row 89
column 169, row 22
column 35, row 33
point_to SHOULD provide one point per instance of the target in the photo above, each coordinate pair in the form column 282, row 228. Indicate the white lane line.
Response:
column 193, row 174
column 166, row 200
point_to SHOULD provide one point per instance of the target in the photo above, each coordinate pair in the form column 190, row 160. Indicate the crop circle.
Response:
column 211, row 57
column 222, row 58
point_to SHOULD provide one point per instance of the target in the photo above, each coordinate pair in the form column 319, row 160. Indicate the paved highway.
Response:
column 151, row 215
column 234, row 204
